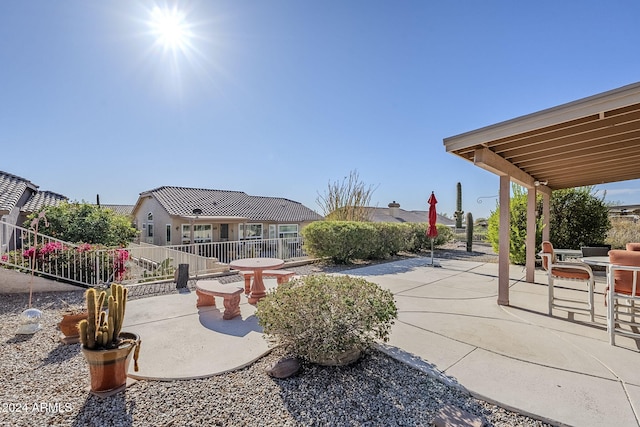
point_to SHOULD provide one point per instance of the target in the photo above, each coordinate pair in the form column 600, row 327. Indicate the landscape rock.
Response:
column 284, row 368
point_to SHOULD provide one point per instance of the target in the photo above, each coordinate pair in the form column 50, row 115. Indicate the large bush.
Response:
column 342, row 241
column 418, row 240
column 622, row 231
column 518, row 232
column 577, row 218
column 85, row 223
column 345, row 241
column 321, row 317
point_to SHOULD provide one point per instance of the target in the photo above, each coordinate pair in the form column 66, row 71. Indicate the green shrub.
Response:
column 322, row 316
column 577, row 218
column 342, row 241
column 345, row 241
column 85, row 223
column 518, row 232
column 622, row 231
column 418, row 240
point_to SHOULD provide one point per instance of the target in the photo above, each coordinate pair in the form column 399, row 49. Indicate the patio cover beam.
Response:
column 594, row 140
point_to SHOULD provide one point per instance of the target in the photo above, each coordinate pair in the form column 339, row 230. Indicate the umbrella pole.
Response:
column 432, row 252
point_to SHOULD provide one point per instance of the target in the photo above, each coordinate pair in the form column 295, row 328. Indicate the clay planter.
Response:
column 340, row 359
column 108, row 368
column 69, row 324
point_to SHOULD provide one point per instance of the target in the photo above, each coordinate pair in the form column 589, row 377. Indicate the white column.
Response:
column 503, row 248
column 531, row 236
column 546, row 211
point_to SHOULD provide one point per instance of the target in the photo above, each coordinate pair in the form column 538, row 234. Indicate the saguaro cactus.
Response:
column 469, row 232
column 102, row 329
column 459, row 212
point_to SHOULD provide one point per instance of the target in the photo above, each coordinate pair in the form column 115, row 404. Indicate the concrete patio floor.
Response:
column 558, row 368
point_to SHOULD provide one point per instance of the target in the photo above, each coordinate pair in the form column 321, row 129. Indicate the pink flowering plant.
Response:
column 90, row 264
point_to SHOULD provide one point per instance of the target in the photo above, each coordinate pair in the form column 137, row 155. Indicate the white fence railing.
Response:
column 225, row 252
column 88, row 265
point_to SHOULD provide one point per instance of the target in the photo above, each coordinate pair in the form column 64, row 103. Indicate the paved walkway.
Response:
column 560, row 369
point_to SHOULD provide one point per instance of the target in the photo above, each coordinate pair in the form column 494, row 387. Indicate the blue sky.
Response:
column 278, row 98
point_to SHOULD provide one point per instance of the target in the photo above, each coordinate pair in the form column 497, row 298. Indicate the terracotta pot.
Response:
column 108, row 368
column 69, row 324
column 338, row 359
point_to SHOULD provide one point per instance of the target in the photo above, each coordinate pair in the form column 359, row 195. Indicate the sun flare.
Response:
column 170, row 28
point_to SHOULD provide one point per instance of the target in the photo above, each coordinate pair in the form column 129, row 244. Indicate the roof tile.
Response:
column 182, row 201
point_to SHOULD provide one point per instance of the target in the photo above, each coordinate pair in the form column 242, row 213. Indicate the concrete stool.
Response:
column 207, row 290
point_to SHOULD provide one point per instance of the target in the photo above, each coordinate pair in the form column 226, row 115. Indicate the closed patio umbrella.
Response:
column 432, row 232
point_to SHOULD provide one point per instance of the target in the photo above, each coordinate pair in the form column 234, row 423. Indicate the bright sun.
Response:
column 170, row 28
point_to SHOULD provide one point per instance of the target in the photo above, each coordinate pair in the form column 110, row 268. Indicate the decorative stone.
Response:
column 284, row 368
column 30, row 322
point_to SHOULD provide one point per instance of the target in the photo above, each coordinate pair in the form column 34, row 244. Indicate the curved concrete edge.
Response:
column 419, row 364
column 135, row 376
column 433, row 372
column 202, row 343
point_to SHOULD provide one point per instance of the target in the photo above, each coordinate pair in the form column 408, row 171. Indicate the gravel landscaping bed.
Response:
column 46, row 383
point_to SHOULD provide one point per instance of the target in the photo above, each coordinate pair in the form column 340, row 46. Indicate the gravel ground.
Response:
column 46, row 383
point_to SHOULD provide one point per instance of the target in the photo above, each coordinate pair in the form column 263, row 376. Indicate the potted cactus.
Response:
column 107, row 350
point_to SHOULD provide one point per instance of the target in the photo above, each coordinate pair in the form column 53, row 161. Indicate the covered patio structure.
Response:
column 594, row 140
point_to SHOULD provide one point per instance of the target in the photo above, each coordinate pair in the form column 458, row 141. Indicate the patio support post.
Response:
column 546, row 212
column 531, row 236
column 504, row 240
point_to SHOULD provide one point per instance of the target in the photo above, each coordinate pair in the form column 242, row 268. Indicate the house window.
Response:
column 251, row 231
column 272, row 231
column 201, row 233
column 168, row 233
column 149, row 230
column 186, row 233
column 287, row 230
column 150, row 216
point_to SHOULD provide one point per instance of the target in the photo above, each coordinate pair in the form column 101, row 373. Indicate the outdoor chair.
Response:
column 623, row 291
column 572, row 271
column 633, row 246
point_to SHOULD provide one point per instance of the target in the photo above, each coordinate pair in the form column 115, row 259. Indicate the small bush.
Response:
column 320, row 316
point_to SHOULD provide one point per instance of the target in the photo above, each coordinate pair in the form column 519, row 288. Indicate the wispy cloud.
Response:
column 618, row 191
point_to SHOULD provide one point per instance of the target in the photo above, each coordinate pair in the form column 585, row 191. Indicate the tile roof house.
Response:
column 126, row 210
column 19, row 197
column 166, row 215
column 393, row 213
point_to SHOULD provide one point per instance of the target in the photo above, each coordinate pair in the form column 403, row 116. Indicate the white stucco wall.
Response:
column 13, row 282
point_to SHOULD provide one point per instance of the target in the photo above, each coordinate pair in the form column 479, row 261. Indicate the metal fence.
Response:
column 89, row 265
column 225, row 252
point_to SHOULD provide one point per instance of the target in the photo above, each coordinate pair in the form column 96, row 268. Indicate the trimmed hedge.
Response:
column 345, row 241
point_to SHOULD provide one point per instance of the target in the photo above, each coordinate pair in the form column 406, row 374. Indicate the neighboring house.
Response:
column 126, row 210
column 20, row 197
column 178, row 215
column 628, row 212
column 393, row 213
